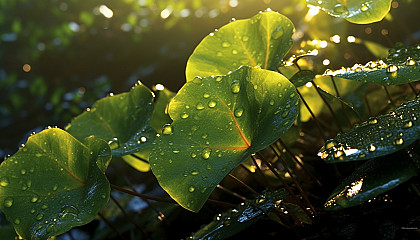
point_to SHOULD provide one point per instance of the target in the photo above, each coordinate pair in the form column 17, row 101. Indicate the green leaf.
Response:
column 262, row 40
column 54, row 183
column 218, row 122
column 401, row 66
column 234, row 221
column 331, row 98
column 139, row 161
column 160, row 114
column 373, row 178
column 355, row 11
column 302, row 77
column 122, row 120
column 376, row 137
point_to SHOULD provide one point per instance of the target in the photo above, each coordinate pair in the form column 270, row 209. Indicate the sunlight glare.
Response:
column 106, row 11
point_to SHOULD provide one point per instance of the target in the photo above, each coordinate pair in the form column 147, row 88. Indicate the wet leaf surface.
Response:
column 262, row 40
column 122, row 120
column 54, row 183
column 233, row 221
column 376, row 137
column 302, row 77
column 218, row 122
column 355, row 11
column 401, row 66
column 373, row 178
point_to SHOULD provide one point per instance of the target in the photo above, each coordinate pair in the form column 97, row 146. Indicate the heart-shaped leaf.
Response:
column 373, row 178
column 262, row 40
column 376, row 137
column 355, row 11
column 234, row 221
column 122, row 120
column 218, row 122
column 401, row 66
column 54, row 183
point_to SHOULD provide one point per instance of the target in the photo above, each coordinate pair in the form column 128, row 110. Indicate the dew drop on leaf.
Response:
column 17, row 221
column 184, row 115
column 23, row 171
column 399, row 141
column 193, row 155
column 206, row 95
column 167, row 129
column 39, row 216
column 245, row 38
column 34, row 199
column 8, row 202
column 373, row 121
column 271, row 102
column 200, row 106
column 212, row 104
column 372, row 148
column 191, row 189
column 206, row 153
column 278, row 32
column 194, row 173
column 239, row 111
column 408, row 124
column 364, row 8
column 226, row 44
column 4, row 181
column 410, row 62
column 391, row 69
column 235, row 87
column 340, row 8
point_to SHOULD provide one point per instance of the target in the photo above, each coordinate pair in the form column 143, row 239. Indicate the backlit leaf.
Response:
column 233, row 221
column 262, row 40
column 218, row 122
column 160, row 115
column 122, row 120
column 373, row 178
column 376, row 137
column 302, row 77
column 355, row 11
column 54, row 183
column 401, row 66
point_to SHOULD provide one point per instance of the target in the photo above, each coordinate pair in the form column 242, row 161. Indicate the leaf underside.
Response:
column 262, row 40
column 218, row 122
column 54, row 183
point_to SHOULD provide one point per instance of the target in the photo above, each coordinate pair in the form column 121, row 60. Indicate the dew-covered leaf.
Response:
column 54, row 183
column 401, row 66
column 139, row 161
column 160, row 114
column 376, row 137
column 302, row 77
column 218, row 122
column 122, row 120
column 234, row 221
column 374, row 177
column 262, row 40
column 355, row 11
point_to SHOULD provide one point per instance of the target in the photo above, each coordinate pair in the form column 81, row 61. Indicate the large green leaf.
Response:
column 122, row 120
column 355, row 11
column 401, row 66
column 373, row 178
column 160, row 114
column 233, row 221
column 262, row 40
column 54, row 183
column 218, row 122
column 376, row 137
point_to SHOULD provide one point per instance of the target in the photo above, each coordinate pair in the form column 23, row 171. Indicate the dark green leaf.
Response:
column 54, row 183
column 218, row 122
column 160, row 115
column 401, row 66
column 373, row 178
column 302, row 77
column 262, row 40
column 376, row 137
column 355, row 11
column 122, row 120
column 233, row 221
column 331, row 98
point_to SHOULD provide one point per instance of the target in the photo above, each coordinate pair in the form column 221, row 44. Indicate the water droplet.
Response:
column 292, row 95
column 4, row 181
column 170, row 161
column 410, row 62
column 193, row 155
column 340, row 8
column 371, row 148
column 184, row 115
column 143, row 139
column 176, row 151
column 167, row 129
column 399, row 141
column 8, row 202
column 235, row 87
column 271, row 102
column 278, row 32
column 234, row 51
column 200, row 106
column 34, row 199
column 206, row 95
column 364, row 8
column 45, row 206
column 206, row 153
column 191, row 189
column 55, row 187
column 218, row 78
column 17, row 221
column 39, row 216
column 408, row 124
column 245, row 38
column 212, row 104
column 285, row 113
column 391, row 69
column 238, row 112
column 226, row 44
column 194, row 173
column 23, row 171
column 373, row 121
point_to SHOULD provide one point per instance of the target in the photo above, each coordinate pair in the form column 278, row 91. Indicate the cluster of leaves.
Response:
column 234, row 104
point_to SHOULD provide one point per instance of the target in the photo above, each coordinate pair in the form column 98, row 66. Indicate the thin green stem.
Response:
column 243, row 184
column 312, row 115
column 141, row 195
column 342, row 104
column 231, row 192
column 389, row 96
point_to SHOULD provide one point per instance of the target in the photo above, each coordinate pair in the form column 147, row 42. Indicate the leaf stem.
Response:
column 312, row 114
column 342, row 104
column 243, row 184
column 389, row 96
column 413, row 89
column 111, row 226
column 328, row 106
column 129, row 217
column 231, row 192
column 141, row 195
